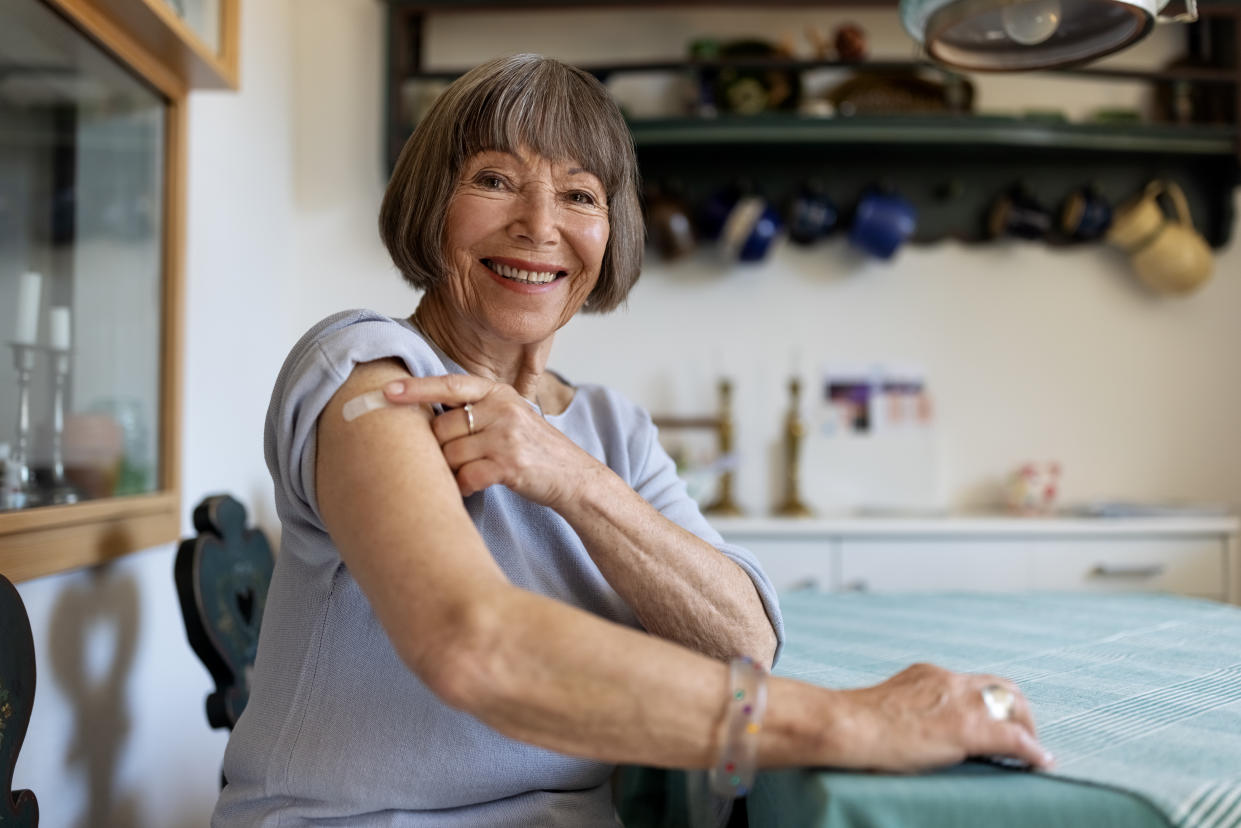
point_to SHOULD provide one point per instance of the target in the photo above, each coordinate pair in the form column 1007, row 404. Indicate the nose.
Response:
column 535, row 217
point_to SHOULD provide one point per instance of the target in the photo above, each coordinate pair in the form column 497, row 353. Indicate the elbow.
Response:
column 464, row 665
column 763, row 644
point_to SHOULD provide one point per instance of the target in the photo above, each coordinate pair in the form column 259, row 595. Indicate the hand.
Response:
column 926, row 716
column 510, row 444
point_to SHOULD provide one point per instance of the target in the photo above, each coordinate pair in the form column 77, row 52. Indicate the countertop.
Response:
column 982, row 524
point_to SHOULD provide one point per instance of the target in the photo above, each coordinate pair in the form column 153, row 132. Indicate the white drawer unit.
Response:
column 1189, row 566
column 1190, row 556
column 931, row 564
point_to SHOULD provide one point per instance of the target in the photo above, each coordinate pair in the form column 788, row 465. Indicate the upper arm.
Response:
column 393, row 510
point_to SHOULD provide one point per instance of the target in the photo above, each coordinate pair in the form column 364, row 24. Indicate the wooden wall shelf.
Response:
column 951, row 166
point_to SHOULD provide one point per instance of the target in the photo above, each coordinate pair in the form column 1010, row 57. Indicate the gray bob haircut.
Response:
column 559, row 112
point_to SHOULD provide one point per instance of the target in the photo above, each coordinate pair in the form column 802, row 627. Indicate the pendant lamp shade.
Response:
column 1017, row 35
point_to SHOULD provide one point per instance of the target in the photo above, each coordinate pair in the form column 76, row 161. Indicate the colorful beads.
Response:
column 733, row 773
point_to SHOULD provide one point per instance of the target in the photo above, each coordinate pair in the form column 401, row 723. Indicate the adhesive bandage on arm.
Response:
column 365, row 403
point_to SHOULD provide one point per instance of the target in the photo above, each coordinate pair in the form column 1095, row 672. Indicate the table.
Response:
column 1137, row 695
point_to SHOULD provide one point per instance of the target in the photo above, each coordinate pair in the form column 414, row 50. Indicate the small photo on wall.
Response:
column 850, row 396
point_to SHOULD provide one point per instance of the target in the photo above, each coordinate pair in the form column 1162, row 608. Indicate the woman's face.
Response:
column 524, row 240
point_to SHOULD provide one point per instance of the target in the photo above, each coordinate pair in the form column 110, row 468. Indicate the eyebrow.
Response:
column 521, row 159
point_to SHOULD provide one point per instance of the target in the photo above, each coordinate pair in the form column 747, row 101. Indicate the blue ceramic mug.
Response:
column 812, row 216
column 714, row 211
column 882, row 222
column 749, row 230
column 1085, row 215
column 1018, row 212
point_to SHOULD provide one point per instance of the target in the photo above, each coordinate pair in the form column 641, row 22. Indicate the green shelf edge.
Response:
column 936, row 131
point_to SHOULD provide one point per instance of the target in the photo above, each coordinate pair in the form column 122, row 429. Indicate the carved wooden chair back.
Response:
column 222, row 576
column 17, row 808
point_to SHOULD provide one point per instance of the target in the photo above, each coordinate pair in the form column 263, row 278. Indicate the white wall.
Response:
column 119, row 735
column 1031, row 352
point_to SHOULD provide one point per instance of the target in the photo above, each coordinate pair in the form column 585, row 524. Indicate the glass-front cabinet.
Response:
column 92, row 158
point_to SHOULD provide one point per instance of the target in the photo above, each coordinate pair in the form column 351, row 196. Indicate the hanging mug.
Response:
column 1085, row 215
column 1168, row 254
column 812, row 215
column 715, row 209
column 882, row 221
column 1018, row 212
column 669, row 226
column 749, row 230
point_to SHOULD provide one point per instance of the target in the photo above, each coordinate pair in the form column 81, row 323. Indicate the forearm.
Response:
column 681, row 587
column 552, row 675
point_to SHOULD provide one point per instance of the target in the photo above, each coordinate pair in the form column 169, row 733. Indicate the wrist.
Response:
column 807, row 725
column 591, row 492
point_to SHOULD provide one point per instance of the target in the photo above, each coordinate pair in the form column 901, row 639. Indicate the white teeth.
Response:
column 522, row 275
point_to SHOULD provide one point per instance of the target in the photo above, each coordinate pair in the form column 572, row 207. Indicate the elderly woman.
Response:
column 492, row 586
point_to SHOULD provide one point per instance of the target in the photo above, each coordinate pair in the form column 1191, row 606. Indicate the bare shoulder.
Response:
column 365, row 377
column 353, row 453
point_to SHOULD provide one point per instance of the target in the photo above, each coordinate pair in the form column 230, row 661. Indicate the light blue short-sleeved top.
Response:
column 338, row 731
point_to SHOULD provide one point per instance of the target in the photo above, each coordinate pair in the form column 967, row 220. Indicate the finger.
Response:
column 447, row 389
column 477, row 475
column 1020, row 713
column 458, row 453
column 1025, row 747
column 1023, row 715
column 455, row 424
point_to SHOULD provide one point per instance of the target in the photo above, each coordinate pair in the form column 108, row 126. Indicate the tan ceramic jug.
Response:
column 1168, row 255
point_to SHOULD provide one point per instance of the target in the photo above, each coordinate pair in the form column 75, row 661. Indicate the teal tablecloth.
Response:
column 1134, row 692
column 1138, row 696
column 967, row 796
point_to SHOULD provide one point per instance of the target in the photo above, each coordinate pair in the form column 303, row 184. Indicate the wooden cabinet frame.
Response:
column 150, row 40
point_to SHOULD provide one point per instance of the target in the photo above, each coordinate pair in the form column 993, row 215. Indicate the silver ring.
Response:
column 469, row 418
column 999, row 700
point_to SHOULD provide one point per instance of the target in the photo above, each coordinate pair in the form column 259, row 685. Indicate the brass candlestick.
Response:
column 724, row 503
column 794, row 431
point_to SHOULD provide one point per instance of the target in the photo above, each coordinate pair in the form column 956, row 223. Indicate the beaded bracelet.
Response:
column 733, row 773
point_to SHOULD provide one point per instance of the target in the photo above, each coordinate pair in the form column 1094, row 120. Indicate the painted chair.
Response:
column 222, row 575
column 19, row 809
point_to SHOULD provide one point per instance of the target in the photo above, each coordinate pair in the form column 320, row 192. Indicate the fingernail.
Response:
column 394, row 387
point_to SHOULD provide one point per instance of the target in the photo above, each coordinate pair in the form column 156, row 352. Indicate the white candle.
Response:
column 29, row 296
column 58, row 318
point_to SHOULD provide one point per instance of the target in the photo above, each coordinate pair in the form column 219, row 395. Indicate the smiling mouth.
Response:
column 526, row 277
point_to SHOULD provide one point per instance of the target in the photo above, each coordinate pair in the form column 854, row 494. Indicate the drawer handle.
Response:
column 1111, row 571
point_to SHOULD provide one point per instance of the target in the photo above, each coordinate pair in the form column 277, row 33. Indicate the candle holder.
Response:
column 724, row 504
column 794, row 432
column 722, row 425
column 21, row 492
column 61, row 491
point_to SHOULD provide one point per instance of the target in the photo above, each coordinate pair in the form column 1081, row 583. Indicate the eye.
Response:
column 583, row 197
column 490, row 181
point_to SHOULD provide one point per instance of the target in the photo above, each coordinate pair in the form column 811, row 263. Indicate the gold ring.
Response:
column 1000, row 701
column 469, row 418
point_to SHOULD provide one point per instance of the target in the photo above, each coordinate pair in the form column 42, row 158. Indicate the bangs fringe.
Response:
column 552, row 110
